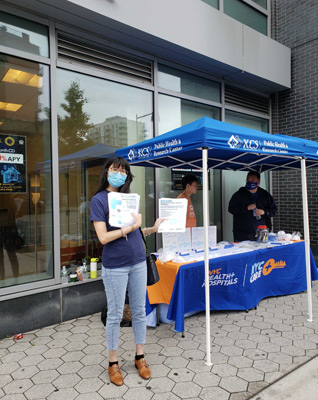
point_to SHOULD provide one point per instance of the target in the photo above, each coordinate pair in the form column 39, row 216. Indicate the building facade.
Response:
column 295, row 111
column 80, row 79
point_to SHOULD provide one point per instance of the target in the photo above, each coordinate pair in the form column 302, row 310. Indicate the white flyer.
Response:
column 121, row 205
column 184, row 241
column 175, row 213
column 177, row 242
column 198, row 237
column 212, row 236
column 170, row 242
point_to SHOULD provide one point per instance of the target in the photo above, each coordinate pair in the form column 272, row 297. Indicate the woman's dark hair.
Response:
column 116, row 162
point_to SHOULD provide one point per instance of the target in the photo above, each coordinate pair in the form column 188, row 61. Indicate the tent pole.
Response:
column 306, row 236
column 206, row 251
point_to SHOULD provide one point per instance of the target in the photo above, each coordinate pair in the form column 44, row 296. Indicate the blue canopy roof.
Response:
column 96, row 151
column 311, row 149
column 99, row 150
column 229, row 147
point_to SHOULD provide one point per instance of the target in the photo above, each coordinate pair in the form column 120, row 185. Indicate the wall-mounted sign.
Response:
column 12, row 164
column 178, row 173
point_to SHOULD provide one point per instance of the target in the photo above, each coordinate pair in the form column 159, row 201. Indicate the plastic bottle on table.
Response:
column 93, row 273
column 64, row 276
column 85, row 271
column 256, row 216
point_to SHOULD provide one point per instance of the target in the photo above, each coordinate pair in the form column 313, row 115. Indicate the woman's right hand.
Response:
column 138, row 220
column 156, row 225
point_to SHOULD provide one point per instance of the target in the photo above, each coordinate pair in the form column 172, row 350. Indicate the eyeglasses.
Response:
column 116, row 171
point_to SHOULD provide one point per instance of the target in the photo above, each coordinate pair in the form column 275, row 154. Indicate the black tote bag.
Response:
column 152, row 271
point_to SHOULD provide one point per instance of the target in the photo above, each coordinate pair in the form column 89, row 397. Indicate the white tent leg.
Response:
column 206, row 252
column 306, row 236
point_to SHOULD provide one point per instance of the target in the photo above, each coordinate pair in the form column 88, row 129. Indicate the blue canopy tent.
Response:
column 207, row 143
column 229, row 147
column 73, row 160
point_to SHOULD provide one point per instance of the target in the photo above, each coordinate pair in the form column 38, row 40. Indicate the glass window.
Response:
column 173, row 113
column 96, row 117
column 25, row 35
column 213, row 3
column 246, row 14
column 25, row 173
column 248, row 121
column 182, row 82
column 233, row 180
column 262, row 3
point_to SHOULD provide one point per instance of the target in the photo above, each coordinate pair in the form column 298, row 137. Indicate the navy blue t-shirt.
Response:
column 119, row 252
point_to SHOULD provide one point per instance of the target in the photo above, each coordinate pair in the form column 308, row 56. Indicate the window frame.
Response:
column 54, row 63
column 266, row 12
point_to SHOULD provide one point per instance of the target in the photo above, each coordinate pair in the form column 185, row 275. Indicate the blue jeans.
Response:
column 116, row 281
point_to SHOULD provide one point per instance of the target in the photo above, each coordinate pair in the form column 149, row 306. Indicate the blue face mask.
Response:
column 251, row 185
column 116, row 180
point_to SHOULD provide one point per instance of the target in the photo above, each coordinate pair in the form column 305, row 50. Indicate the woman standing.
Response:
column 124, row 265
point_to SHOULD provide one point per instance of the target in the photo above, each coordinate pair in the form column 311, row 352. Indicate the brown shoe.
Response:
column 143, row 368
column 115, row 375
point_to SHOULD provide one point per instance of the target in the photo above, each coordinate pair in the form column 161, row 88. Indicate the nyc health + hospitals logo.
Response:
column 218, row 278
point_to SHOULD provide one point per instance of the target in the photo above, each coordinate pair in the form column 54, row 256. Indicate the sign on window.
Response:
column 12, row 164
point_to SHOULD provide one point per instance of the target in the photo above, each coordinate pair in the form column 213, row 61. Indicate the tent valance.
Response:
column 229, row 147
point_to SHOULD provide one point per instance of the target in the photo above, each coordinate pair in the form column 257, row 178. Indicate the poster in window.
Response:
column 12, row 164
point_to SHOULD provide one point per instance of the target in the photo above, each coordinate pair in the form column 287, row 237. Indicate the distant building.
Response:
column 114, row 132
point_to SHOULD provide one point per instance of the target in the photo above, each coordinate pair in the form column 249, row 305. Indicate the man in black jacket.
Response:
column 251, row 206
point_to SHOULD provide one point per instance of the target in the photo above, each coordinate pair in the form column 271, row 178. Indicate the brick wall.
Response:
column 295, row 111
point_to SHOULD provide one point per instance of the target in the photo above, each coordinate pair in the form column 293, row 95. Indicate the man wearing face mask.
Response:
column 251, row 206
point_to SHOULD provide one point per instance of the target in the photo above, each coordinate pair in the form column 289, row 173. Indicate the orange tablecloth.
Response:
column 161, row 292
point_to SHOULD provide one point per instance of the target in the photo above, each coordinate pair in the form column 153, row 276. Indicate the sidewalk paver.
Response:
column 267, row 353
